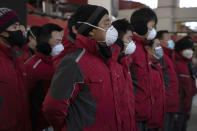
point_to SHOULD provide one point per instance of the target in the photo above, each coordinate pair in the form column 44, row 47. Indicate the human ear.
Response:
column 91, row 34
column 74, row 30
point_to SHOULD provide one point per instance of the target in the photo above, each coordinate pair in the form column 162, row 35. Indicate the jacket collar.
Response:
column 156, row 64
column 179, row 57
column 140, row 40
column 86, row 43
column 115, row 49
column 167, row 51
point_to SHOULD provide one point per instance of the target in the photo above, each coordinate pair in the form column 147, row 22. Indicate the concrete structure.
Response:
column 111, row 5
column 105, row 3
column 169, row 14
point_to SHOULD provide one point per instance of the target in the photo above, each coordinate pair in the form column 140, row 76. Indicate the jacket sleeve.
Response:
column 58, row 98
column 55, row 111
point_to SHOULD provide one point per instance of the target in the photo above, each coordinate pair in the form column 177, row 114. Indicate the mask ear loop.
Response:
column 29, row 30
column 79, row 22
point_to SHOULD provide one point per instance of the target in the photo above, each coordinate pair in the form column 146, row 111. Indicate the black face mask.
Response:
column 16, row 38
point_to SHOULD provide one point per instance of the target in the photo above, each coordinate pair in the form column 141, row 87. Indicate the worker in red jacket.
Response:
column 126, row 47
column 156, row 121
column 40, row 71
column 186, row 72
column 166, row 42
column 85, row 87
column 170, row 79
column 143, row 21
column 14, row 104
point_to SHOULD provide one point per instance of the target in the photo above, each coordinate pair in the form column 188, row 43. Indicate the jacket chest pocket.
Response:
column 96, row 89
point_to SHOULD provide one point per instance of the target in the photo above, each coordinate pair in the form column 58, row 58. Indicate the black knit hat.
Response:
column 7, row 18
column 87, row 13
column 184, row 43
column 140, row 18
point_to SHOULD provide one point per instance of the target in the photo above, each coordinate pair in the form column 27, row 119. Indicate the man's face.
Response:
column 17, row 26
column 127, row 38
column 98, row 34
column 19, row 41
column 32, row 43
column 151, row 50
column 56, row 38
column 151, row 25
column 164, row 40
column 14, row 27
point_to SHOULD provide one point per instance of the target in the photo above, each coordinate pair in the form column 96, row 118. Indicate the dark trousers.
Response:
column 181, row 122
column 169, row 121
column 142, row 126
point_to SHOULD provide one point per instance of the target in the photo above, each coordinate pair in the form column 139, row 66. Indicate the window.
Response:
column 191, row 25
column 187, row 3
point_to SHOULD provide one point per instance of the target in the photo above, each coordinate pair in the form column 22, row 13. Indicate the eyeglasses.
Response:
column 32, row 34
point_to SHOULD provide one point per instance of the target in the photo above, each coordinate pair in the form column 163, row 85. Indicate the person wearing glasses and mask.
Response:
column 14, row 104
column 32, row 34
column 28, row 49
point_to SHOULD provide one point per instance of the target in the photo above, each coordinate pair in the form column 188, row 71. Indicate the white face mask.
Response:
column 188, row 53
column 171, row 44
column 158, row 52
column 130, row 48
column 57, row 49
column 111, row 34
column 152, row 34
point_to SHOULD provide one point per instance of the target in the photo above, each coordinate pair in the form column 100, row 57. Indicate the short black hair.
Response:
column 33, row 32
column 70, row 24
column 184, row 43
column 45, row 33
column 140, row 18
column 46, row 30
column 122, row 26
column 161, row 33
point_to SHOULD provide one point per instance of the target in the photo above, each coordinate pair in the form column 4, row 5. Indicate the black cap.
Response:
column 87, row 13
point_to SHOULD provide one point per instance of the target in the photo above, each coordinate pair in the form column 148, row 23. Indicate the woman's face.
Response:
column 127, row 38
column 150, row 26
